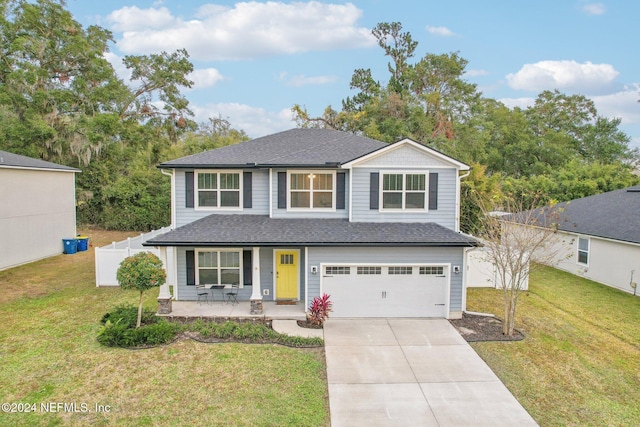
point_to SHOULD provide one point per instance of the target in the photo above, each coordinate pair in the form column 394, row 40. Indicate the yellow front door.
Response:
column 287, row 274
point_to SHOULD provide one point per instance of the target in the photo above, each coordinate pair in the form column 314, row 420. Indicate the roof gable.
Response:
column 295, row 147
column 407, row 152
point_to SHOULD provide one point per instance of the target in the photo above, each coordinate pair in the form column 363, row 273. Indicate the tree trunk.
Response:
column 139, row 311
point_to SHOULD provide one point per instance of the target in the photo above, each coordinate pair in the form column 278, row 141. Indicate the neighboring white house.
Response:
column 37, row 208
column 599, row 238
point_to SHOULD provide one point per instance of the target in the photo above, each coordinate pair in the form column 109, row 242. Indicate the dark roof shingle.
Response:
column 17, row 161
column 260, row 230
column 612, row 215
column 296, row 147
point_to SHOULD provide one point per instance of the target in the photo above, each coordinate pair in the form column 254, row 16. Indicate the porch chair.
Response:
column 203, row 293
column 232, row 294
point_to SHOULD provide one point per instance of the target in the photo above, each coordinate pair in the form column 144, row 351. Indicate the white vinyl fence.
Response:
column 108, row 258
column 482, row 273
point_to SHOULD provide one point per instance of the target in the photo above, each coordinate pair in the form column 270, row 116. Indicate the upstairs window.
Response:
column 218, row 190
column 311, row 190
column 404, row 191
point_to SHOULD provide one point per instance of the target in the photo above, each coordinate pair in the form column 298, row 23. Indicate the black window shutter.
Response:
column 374, row 190
column 282, row 190
column 433, row 191
column 188, row 189
column 341, row 192
column 247, row 190
column 191, row 267
column 247, row 268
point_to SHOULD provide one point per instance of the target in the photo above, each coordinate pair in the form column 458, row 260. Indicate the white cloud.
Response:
column 254, row 121
column 587, row 77
column 116, row 62
column 594, row 8
column 302, row 80
column 518, row 102
column 246, row 30
column 440, row 31
column 622, row 104
column 205, row 77
column 133, row 18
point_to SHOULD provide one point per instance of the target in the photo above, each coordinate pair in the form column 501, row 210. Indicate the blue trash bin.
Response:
column 70, row 246
column 83, row 243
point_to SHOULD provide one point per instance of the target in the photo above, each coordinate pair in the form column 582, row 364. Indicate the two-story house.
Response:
column 304, row 212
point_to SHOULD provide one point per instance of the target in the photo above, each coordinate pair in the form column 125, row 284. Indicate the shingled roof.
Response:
column 295, row 147
column 10, row 160
column 612, row 215
column 260, row 230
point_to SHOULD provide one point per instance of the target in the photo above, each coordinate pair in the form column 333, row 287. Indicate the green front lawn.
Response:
column 580, row 362
column 50, row 312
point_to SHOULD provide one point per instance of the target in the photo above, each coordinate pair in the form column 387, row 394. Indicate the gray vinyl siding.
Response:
column 389, row 255
column 445, row 215
column 188, row 293
column 406, row 156
column 260, row 198
column 284, row 213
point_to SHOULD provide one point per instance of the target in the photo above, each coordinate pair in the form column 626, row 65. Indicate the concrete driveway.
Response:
column 412, row 372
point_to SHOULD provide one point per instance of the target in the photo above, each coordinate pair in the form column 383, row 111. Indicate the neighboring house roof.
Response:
column 10, row 160
column 260, row 230
column 295, row 147
column 612, row 215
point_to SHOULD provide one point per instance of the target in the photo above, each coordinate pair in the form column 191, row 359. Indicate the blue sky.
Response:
column 254, row 60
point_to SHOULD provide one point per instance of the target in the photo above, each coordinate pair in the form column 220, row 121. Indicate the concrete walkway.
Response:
column 412, row 372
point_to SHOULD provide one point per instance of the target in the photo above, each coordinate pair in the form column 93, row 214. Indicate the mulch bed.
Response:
column 474, row 328
column 308, row 325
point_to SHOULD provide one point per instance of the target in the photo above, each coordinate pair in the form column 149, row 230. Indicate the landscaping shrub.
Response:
column 127, row 314
column 119, row 328
column 319, row 310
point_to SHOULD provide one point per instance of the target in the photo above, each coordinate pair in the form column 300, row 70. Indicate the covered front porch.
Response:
column 242, row 309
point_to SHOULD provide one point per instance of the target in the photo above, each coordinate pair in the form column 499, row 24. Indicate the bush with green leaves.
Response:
column 119, row 328
column 141, row 271
column 127, row 314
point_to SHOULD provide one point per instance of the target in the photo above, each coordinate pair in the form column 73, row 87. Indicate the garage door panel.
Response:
column 387, row 291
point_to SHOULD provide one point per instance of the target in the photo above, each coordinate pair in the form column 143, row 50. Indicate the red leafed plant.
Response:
column 319, row 310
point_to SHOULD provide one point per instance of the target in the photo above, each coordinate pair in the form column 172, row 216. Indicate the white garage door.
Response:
column 387, row 290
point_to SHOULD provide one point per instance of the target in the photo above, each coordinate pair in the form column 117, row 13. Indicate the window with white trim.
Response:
column 312, row 190
column 370, row 270
column 439, row 271
column 218, row 267
column 337, row 270
column 400, row 270
column 404, row 190
column 583, row 251
column 217, row 190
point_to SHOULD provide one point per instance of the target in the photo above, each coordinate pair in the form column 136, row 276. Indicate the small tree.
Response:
column 141, row 271
column 517, row 244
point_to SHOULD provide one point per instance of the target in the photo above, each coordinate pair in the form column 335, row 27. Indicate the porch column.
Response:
column 164, row 297
column 256, row 294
